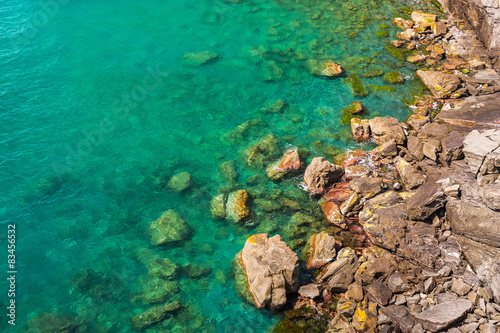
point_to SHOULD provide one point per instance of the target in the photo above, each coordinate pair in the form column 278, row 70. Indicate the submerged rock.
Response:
column 180, row 182
column 237, row 206
column 153, row 316
column 320, row 174
column 394, row 77
column 169, row 228
column 218, row 207
column 272, row 269
column 323, row 68
column 356, row 85
column 200, row 59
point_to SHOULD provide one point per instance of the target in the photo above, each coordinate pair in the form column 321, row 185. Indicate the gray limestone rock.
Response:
column 444, row 314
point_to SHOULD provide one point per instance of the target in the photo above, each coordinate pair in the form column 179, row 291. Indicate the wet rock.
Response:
column 169, row 228
column 397, row 282
column 348, row 205
column 218, row 207
column 272, row 269
column 356, row 171
column 427, row 199
column 444, row 314
column 333, row 214
column 365, row 317
column 441, row 85
column 200, row 59
column 452, row 145
column 367, row 185
column 400, row 316
column 320, row 250
column 340, row 273
column 402, row 23
column 290, row 162
column 310, row 290
column 339, row 193
column 228, row 172
column 266, row 150
column 379, row 292
column 323, row 68
column 388, row 149
column 387, row 129
column 423, row 19
column 52, row 323
column 416, row 58
column 180, row 182
column 394, row 77
column 153, row 316
column 237, row 206
column 360, row 129
column 320, row 174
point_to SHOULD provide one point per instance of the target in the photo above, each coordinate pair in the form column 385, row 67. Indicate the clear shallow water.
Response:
column 97, row 109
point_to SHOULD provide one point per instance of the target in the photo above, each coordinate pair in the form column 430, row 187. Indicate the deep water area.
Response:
column 101, row 104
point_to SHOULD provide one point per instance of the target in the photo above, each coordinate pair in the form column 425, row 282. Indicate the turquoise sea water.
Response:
column 98, row 111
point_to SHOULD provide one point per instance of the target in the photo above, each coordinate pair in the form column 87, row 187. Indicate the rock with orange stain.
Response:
column 351, row 157
column 333, row 214
column 272, row 270
column 402, row 23
column 237, row 206
column 290, row 162
column 320, row 250
column 320, row 174
column 356, row 171
column 339, row 193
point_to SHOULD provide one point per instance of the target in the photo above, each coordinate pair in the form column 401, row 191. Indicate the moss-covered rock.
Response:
column 356, row 85
column 169, row 228
column 163, row 268
column 153, row 316
column 394, row 77
column 353, row 110
column 382, row 34
column 180, row 182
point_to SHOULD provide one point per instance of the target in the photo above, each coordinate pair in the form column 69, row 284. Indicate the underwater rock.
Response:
column 163, row 268
column 271, row 72
column 195, row 271
column 394, row 77
column 277, row 107
column 169, row 228
column 261, row 153
column 228, row 172
column 356, row 85
column 272, row 269
column 355, row 108
column 155, row 290
column 385, row 129
column 200, row 59
column 402, row 23
column 320, row 250
column 423, row 19
column 441, row 85
column 320, row 174
column 416, row 58
column 237, row 206
column 153, row 316
column 218, row 207
column 288, row 163
column 180, row 182
column 52, row 323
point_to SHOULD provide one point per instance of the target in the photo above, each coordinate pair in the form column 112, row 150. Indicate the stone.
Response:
column 446, row 297
column 476, row 148
column 355, row 292
column 153, row 316
column 379, row 292
column 388, row 149
column 180, row 182
column 348, row 205
column 320, row 250
column 416, row 147
column 453, row 145
column 429, row 284
column 356, row 85
column 439, row 28
column 163, row 268
column 460, row 287
column 411, row 176
column 371, row 270
column 290, row 162
column 367, row 185
column 402, row 23
column 356, row 171
column 452, row 190
column 237, row 206
column 271, row 72
column 417, row 121
column 332, row 213
column 360, row 132
column 407, row 35
column 168, row 229
column 394, row 77
column 431, row 148
column 441, row 85
column 320, row 174
column 340, row 324
column 385, row 129
column 423, row 19
column 416, row 58
column 346, row 307
column 228, row 172
column 365, row 317
column 195, row 271
column 339, row 193
column 200, row 59
column 444, row 314
column 491, row 195
column 272, row 269
column 52, row 322
column 397, row 282
column 340, row 273
column 400, row 316
column 218, row 207
column 323, row 68
column 311, row 290
column 427, row 199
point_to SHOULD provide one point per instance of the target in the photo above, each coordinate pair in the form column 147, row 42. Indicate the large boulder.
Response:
column 320, row 250
column 427, row 199
column 272, row 269
column 320, row 174
column 169, row 228
column 385, row 129
column 441, row 85
column 340, row 273
column 444, row 314
column 411, row 176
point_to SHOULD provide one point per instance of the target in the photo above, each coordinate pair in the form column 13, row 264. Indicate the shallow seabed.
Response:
column 98, row 110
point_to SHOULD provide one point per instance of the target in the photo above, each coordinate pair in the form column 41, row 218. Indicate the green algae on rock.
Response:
column 394, row 77
column 356, row 85
column 180, row 182
column 168, row 229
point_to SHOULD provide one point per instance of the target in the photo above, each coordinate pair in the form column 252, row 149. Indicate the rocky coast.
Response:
column 422, row 209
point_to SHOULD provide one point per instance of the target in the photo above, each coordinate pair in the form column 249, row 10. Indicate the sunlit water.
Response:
column 98, row 111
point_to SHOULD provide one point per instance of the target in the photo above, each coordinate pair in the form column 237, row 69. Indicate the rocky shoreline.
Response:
column 423, row 209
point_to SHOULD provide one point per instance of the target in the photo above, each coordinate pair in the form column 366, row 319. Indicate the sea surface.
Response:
column 99, row 109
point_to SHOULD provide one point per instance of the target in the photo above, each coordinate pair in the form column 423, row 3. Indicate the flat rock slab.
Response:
column 443, row 315
column 441, row 85
column 474, row 112
column 427, row 199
